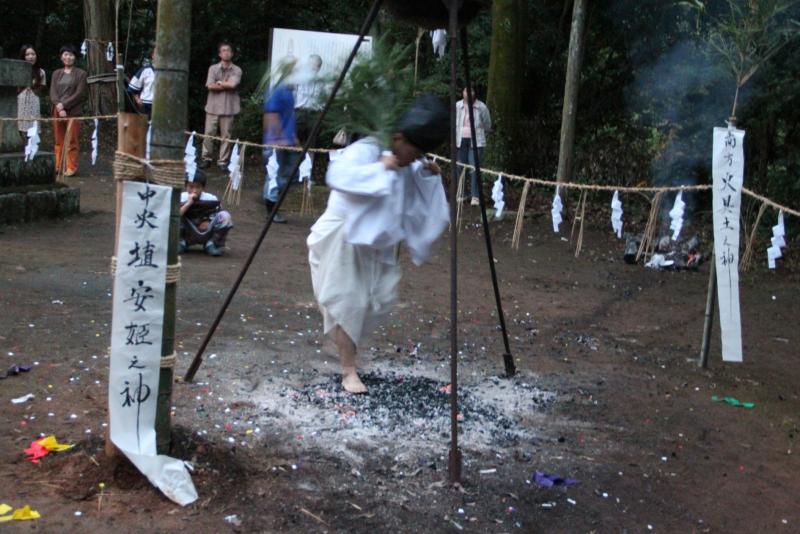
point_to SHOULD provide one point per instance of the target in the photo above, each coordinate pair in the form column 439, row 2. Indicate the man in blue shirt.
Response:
column 280, row 128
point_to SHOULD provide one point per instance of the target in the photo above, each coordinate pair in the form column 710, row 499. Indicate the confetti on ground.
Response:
column 734, row 402
column 547, row 480
column 20, row 514
column 42, row 447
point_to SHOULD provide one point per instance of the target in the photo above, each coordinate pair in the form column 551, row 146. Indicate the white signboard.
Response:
column 136, row 331
column 300, row 45
column 728, row 173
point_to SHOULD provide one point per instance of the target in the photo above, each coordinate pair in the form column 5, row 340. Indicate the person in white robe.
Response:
column 378, row 199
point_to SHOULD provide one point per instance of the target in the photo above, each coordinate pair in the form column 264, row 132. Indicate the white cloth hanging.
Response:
column 439, row 39
column 558, row 206
column 497, row 196
column 33, row 141
column 616, row 214
column 147, row 141
column 94, row 141
column 778, row 242
column 234, row 169
column 84, row 48
column 190, row 159
column 110, row 52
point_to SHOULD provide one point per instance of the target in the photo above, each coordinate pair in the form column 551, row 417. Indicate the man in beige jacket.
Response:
column 222, row 105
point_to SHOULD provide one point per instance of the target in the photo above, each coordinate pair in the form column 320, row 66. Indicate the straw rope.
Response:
column 435, row 157
column 168, row 362
column 747, row 257
column 173, row 271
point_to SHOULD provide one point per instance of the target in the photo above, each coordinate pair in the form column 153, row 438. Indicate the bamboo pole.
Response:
column 173, row 38
column 571, row 85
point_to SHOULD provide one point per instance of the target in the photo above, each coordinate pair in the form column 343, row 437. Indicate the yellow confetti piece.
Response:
column 21, row 514
column 51, row 444
column 4, row 508
column 249, row 431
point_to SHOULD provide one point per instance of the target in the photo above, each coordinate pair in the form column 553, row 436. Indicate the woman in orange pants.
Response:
column 68, row 92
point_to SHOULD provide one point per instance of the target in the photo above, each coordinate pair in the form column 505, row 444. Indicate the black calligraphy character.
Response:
column 728, row 258
column 727, row 224
column 730, row 140
column 137, row 334
column 144, row 218
column 143, row 255
column 727, row 203
column 140, row 394
column 135, row 363
column 147, row 195
column 139, row 296
column 728, row 157
column 726, row 182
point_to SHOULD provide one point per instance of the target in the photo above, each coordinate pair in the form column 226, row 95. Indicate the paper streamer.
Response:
column 305, row 168
column 110, row 52
column 234, row 168
column 190, row 159
column 439, row 39
column 272, row 171
column 616, row 214
column 147, row 141
column 778, row 242
column 136, row 335
column 94, row 141
column 33, row 141
column 497, row 196
column 676, row 215
column 728, row 178
column 558, row 207
column 84, row 47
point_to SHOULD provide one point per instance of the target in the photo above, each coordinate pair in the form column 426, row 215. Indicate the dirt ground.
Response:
column 608, row 392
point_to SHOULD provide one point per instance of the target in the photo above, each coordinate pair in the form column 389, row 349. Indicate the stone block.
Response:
column 16, row 172
column 41, row 205
column 68, row 200
column 12, row 208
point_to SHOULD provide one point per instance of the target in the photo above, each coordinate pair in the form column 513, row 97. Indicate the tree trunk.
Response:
column 506, row 75
column 173, row 39
column 98, row 21
column 569, row 112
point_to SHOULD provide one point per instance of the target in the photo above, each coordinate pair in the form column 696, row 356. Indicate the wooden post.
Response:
column 711, row 298
column 98, row 21
column 131, row 133
column 455, row 454
column 173, row 38
column 569, row 111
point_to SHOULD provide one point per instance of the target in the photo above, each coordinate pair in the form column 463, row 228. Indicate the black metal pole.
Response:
column 508, row 360
column 455, row 453
column 198, row 358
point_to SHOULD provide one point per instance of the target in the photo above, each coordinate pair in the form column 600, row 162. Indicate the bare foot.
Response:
column 351, row 383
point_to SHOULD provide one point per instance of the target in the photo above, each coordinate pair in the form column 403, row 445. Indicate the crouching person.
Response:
column 203, row 221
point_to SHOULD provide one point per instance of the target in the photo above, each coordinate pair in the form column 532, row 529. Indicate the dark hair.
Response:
column 35, row 70
column 67, row 48
column 199, row 178
column 225, row 43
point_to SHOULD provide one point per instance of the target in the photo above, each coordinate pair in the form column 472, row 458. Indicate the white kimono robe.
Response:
column 351, row 247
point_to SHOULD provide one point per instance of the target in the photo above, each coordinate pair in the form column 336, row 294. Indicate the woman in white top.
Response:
column 378, row 199
column 28, row 106
column 464, row 141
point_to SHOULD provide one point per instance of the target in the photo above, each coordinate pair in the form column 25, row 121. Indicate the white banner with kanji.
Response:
column 728, row 174
column 136, row 332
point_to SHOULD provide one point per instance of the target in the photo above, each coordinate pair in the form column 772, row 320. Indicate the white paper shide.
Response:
column 728, row 175
column 616, row 214
column 136, row 332
column 778, row 242
column 190, row 159
column 676, row 216
column 558, row 207
column 497, row 197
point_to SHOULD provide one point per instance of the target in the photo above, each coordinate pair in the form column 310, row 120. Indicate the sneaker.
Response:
column 279, row 219
column 204, row 164
column 212, row 249
column 223, row 167
column 475, row 202
column 182, row 247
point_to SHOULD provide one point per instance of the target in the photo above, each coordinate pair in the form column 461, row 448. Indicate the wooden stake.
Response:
column 520, row 216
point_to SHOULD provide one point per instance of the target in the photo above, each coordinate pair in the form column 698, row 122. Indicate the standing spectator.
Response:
column 28, row 106
column 280, row 128
column 142, row 86
column 483, row 126
column 308, row 96
column 222, row 105
column 68, row 92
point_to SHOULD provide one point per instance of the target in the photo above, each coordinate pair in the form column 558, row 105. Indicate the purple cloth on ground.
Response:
column 15, row 370
column 546, row 480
